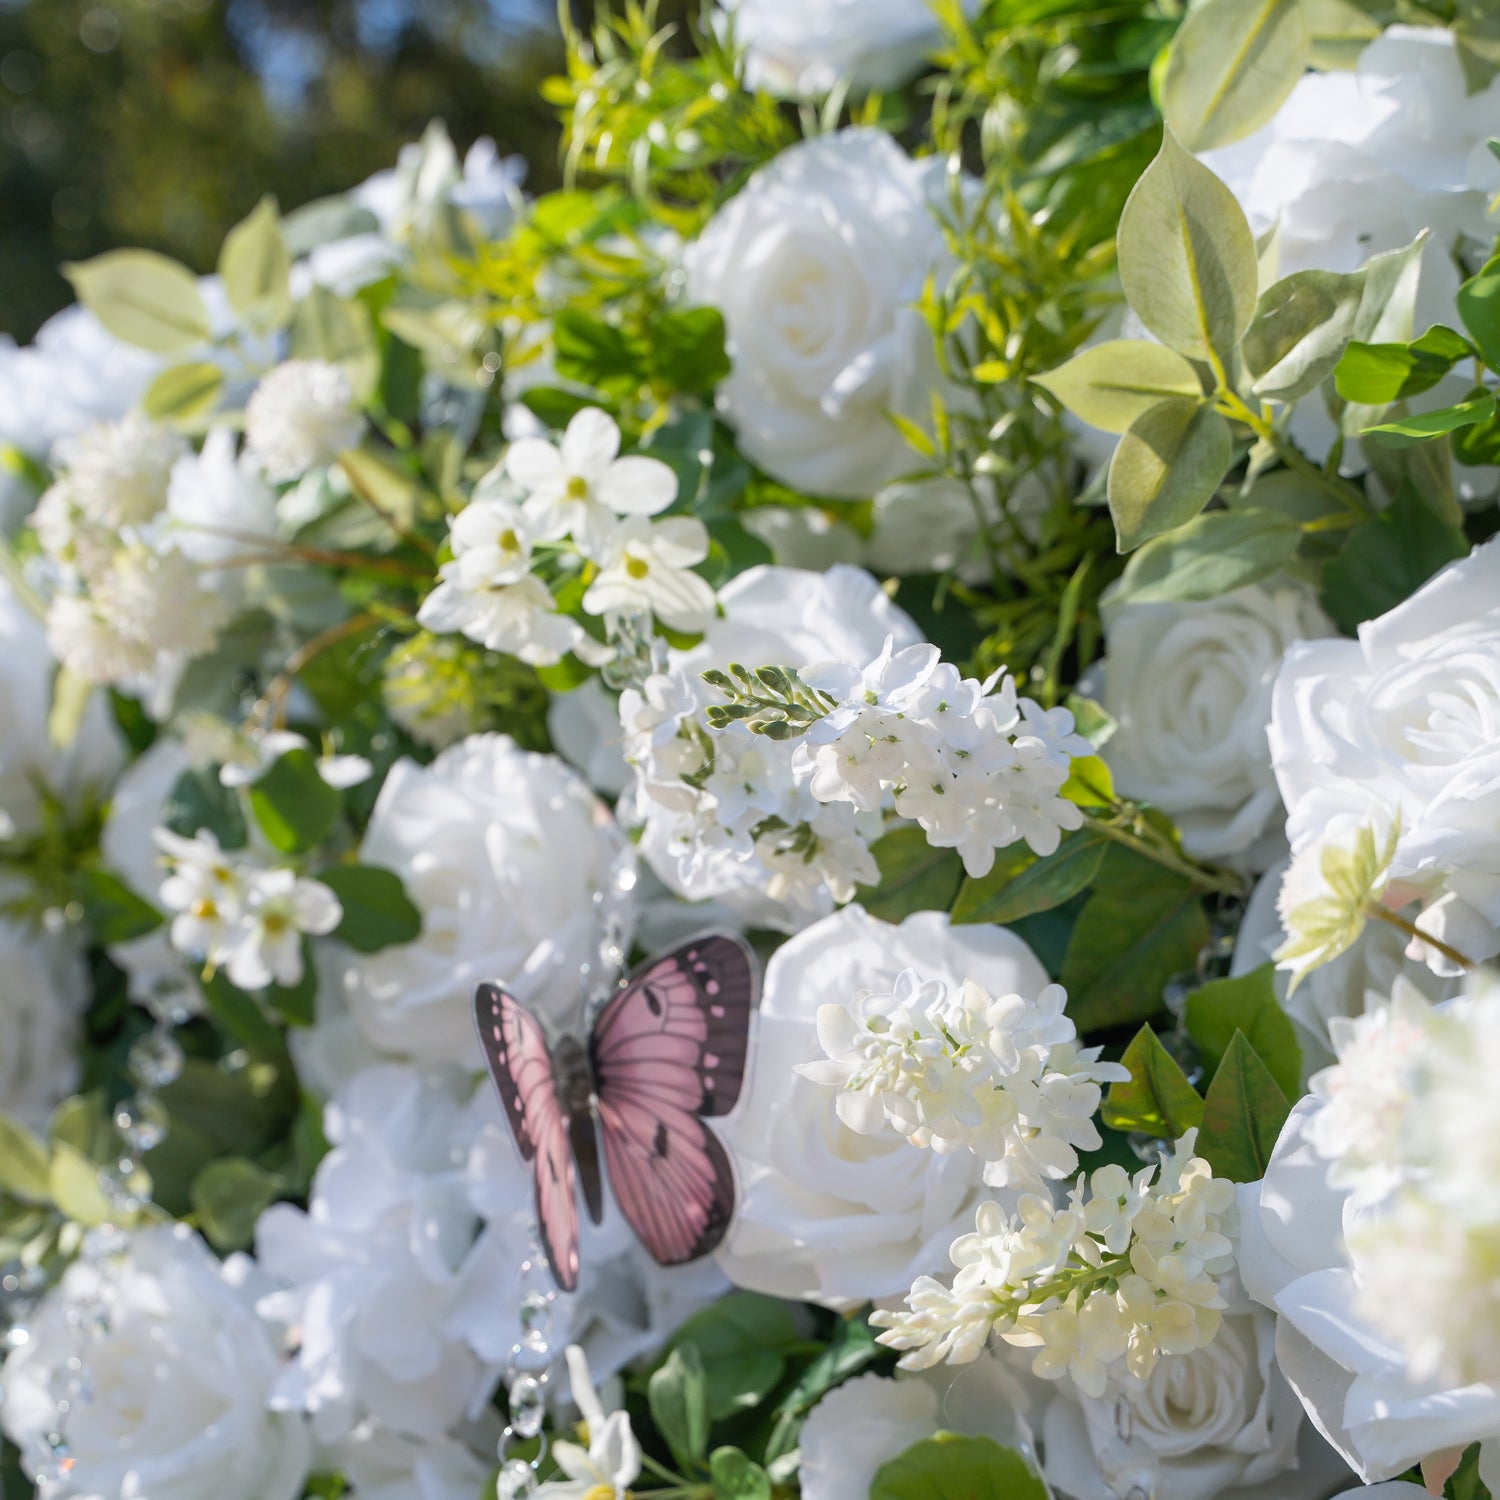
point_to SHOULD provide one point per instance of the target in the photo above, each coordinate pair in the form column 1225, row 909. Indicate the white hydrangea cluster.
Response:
column 977, row 767
column 544, row 496
column 134, row 526
column 235, row 912
column 1001, row 1077
column 302, row 416
column 1123, row 1275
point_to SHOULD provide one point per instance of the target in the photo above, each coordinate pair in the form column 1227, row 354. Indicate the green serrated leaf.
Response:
column 678, row 1397
column 295, row 807
column 1243, row 1112
column 146, row 299
column 952, row 1467
column 377, row 911
column 1158, row 1100
column 1247, row 1005
column 1111, row 384
column 1187, row 257
column 1004, row 896
column 1216, row 552
column 1166, row 469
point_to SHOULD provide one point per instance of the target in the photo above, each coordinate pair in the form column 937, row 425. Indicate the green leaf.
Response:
column 913, row 876
column 851, row 1347
column 687, row 349
column 295, row 807
column 1232, row 65
column 1390, row 299
column 736, row 1477
column 1247, row 1005
column 1340, row 32
column 1128, row 942
column 1302, row 326
column 1479, row 307
column 241, row 1015
column 296, row 1004
column 1387, row 559
column 1005, row 896
column 1243, row 1112
column 678, row 1396
column 377, row 911
column 740, row 1343
column 70, row 702
column 1166, row 469
column 1211, row 554
column 1377, row 374
column 1430, row 424
column 114, row 913
column 340, row 331
column 144, row 298
column 952, row 1467
column 1111, row 384
column 1187, row 257
column 73, row 1185
column 228, row 1197
column 256, row 269
column 1089, row 783
column 199, row 800
column 596, row 353
column 184, row 393
column 25, row 1163
column 1158, row 1100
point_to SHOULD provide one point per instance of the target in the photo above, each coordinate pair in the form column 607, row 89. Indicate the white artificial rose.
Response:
column 1403, row 725
column 808, row 49
column 826, row 1214
column 42, row 998
column 178, row 1379
column 815, row 265
column 770, row 616
column 384, row 1465
column 502, row 850
column 1353, row 1381
column 1189, row 685
column 29, row 761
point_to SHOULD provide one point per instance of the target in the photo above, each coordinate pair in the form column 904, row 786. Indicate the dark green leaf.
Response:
column 1479, row 307
column 1004, row 896
column 197, row 801
column 228, row 1197
column 555, row 406
column 913, row 876
column 241, row 1015
column 1243, row 1112
column 294, row 806
column 1158, row 1100
column 1430, row 424
column 377, row 911
column 851, row 1347
column 296, row 1004
column 678, row 1396
column 115, row 914
column 1247, row 1005
column 687, row 349
column 740, row 1342
column 736, row 1477
column 596, row 353
column 951, row 1467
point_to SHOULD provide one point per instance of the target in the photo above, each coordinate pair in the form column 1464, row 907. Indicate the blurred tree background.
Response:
column 161, row 122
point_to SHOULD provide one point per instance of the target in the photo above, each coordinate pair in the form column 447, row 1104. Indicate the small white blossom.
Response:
column 280, row 907
column 519, row 619
column 302, row 416
column 647, row 566
column 88, row 643
column 611, row 1463
column 117, row 472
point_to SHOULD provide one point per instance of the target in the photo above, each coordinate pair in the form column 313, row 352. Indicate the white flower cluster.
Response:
column 977, row 768
column 302, row 416
column 134, row 526
column 577, row 491
column 233, row 911
column 1003, row 1078
column 1126, row 1275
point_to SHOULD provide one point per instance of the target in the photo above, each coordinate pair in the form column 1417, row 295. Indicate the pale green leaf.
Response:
column 1111, row 384
column 339, row 331
column 1187, row 257
column 1232, row 65
column 73, row 1183
column 256, row 268
column 70, row 702
column 1216, row 552
column 1166, row 469
column 1340, row 31
column 184, row 393
column 144, row 298
column 24, row 1163
column 1302, row 326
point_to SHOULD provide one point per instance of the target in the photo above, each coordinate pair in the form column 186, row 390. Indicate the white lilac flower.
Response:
column 280, row 908
column 646, row 566
column 118, row 472
column 205, row 890
column 302, row 415
column 611, row 1463
column 580, row 486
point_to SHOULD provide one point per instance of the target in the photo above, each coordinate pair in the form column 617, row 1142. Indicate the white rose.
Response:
column 828, row 1215
column 503, row 851
column 808, row 49
column 815, row 265
column 27, row 755
column 1404, row 723
column 1352, row 1380
column 1190, row 687
column 384, row 1465
column 42, row 997
column 179, row 1379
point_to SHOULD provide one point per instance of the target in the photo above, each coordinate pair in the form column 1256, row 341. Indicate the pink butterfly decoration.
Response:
column 666, row 1052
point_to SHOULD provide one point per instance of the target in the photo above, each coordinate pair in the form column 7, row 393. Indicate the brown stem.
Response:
column 1394, row 919
column 273, row 702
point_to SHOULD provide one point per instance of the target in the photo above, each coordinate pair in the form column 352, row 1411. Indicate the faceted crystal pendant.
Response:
column 517, row 1480
column 528, row 1406
column 156, row 1060
column 142, row 1121
column 536, row 1322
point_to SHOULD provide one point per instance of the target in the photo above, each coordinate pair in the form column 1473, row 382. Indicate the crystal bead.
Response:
column 517, row 1479
column 142, row 1121
column 528, row 1406
column 118, row 1184
column 105, row 1242
column 536, row 1322
column 156, row 1060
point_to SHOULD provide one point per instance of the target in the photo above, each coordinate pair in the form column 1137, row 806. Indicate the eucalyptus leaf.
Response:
column 1111, row 384
column 24, row 1163
column 1211, row 554
column 184, row 393
column 1301, row 328
column 340, row 331
column 1166, row 469
column 73, row 1183
column 1158, row 1100
column 143, row 298
column 256, row 268
column 1243, row 1112
column 1340, row 31
column 1233, row 63
column 1187, row 257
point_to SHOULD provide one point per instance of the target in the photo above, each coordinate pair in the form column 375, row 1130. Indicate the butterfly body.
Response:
column 666, row 1051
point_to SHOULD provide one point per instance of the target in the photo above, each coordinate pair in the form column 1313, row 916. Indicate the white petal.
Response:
column 342, row 771
column 534, row 464
column 680, row 541
column 679, row 599
column 637, row 487
column 590, row 444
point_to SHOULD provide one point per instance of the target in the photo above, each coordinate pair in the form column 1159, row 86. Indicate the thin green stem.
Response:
column 1394, row 919
column 1158, row 852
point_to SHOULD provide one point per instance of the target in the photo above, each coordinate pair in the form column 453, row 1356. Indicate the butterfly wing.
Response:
column 520, row 1062
column 669, row 1049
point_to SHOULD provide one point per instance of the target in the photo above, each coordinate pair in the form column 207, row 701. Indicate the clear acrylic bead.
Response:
column 142, row 1121
column 156, row 1060
column 517, row 1479
column 119, row 1186
column 536, row 1322
column 528, row 1406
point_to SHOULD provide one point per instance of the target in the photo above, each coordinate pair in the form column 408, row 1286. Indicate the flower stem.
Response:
column 273, row 703
column 1157, row 851
column 1394, row 919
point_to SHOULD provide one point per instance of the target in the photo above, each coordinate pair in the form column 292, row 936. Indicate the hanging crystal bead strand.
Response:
column 526, row 1377
column 1128, row 1469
